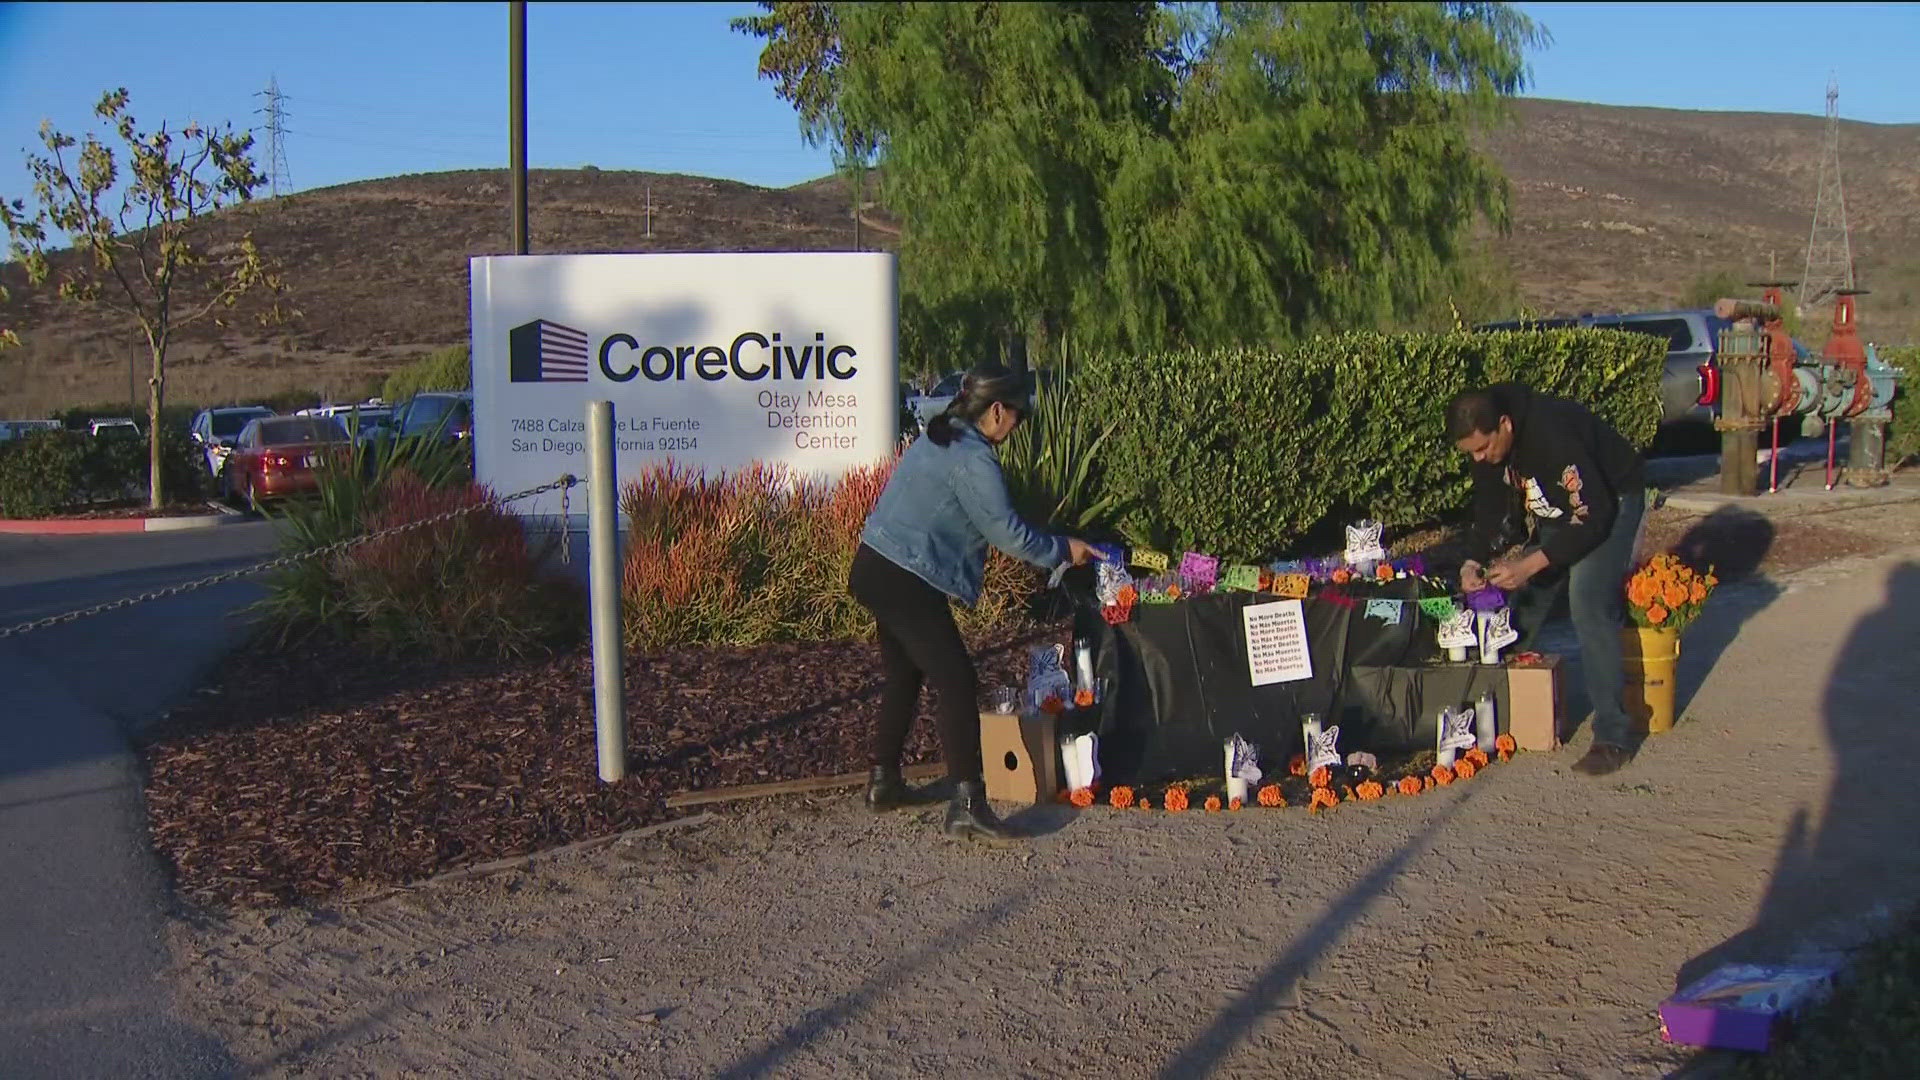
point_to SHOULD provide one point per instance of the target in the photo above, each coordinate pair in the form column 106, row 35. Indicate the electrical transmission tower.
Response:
column 276, row 114
column 1830, row 245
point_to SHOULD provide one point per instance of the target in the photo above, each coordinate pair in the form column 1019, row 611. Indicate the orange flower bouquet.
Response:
column 1213, row 804
column 1121, row 796
column 1369, row 790
column 1442, row 774
column 1176, row 799
column 1321, row 778
column 1081, row 797
column 1506, row 745
column 1271, row 796
column 1410, row 785
column 1667, row 594
column 1322, row 797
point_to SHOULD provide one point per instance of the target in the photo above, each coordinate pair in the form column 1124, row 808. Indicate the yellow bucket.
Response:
column 1650, row 656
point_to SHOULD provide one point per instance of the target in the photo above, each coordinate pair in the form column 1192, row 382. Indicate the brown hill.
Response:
column 1615, row 209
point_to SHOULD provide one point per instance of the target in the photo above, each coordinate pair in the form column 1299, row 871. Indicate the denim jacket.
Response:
column 942, row 508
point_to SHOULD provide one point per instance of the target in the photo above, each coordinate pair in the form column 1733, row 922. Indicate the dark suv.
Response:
column 448, row 413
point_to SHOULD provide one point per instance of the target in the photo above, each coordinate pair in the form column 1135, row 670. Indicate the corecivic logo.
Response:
column 542, row 351
column 751, row 357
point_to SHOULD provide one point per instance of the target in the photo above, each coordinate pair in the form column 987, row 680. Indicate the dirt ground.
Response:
column 1525, row 923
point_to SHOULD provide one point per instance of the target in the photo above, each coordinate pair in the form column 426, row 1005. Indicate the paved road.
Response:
column 82, row 904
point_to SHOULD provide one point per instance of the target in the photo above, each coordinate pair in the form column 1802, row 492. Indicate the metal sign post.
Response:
column 603, row 552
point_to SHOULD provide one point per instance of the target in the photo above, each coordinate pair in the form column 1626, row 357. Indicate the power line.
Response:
column 278, row 175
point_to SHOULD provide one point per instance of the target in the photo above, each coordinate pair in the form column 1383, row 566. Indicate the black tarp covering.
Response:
column 1179, row 685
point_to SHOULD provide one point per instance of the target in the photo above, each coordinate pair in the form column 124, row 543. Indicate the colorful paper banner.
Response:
column 1149, row 559
column 1242, row 577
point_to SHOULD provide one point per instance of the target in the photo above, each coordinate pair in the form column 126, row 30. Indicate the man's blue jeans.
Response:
column 1596, row 589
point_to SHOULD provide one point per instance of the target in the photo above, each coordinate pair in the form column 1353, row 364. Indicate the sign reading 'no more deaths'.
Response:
column 1277, row 642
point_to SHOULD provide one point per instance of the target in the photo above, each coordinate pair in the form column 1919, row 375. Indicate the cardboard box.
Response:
column 1534, row 703
column 1020, row 756
column 1737, row 1006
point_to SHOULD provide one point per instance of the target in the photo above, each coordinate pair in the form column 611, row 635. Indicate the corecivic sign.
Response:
column 713, row 360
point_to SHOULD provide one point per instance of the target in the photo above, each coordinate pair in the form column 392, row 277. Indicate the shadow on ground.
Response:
column 1848, row 874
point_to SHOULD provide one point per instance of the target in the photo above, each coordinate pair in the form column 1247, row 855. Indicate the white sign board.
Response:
column 713, row 360
column 1277, row 642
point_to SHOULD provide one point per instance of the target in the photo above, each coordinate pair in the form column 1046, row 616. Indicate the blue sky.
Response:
column 378, row 90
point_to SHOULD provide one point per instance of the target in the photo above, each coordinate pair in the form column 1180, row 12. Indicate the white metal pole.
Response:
column 603, row 552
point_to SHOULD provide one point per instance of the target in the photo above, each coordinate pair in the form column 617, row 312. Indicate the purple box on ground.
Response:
column 1735, row 1007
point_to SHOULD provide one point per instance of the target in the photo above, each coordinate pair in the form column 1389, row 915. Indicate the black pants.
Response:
column 919, row 643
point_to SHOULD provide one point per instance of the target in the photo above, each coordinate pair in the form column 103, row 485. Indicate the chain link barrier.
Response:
column 564, row 485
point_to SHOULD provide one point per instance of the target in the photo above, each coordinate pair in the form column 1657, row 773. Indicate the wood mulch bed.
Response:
column 141, row 510
column 302, row 774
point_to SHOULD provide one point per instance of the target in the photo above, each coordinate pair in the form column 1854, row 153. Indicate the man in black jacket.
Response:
column 1584, row 489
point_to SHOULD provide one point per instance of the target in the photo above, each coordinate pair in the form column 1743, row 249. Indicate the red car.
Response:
column 275, row 456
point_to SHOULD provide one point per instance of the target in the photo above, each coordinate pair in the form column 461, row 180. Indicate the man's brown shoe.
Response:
column 1603, row 758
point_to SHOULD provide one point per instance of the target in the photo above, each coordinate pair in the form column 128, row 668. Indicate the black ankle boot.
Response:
column 888, row 790
column 968, row 815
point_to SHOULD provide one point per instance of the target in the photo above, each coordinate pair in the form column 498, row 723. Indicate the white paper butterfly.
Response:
column 1243, row 760
column 1496, row 630
column 1457, row 631
column 1323, row 749
column 1363, row 544
column 1456, row 734
column 1110, row 580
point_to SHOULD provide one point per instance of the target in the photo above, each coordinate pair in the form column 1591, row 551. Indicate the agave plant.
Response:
column 1052, row 460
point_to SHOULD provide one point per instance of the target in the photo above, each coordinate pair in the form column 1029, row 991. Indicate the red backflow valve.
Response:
column 1844, row 349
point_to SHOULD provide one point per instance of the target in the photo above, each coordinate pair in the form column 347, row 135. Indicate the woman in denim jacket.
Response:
column 926, row 541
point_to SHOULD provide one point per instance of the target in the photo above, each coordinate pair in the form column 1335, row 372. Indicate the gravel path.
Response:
column 1523, row 923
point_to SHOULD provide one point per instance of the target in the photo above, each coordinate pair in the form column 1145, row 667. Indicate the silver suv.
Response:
column 1693, row 338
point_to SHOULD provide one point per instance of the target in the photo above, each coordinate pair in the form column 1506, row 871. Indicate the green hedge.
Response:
column 50, row 471
column 1243, row 452
column 1903, row 434
column 447, row 369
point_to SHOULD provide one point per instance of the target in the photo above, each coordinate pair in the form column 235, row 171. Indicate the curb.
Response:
column 89, row 526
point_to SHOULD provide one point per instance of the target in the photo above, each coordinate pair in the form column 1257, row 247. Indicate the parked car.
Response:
column 20, row 429
column 214, row 431
column 925, row 407
column 448, row 413
column 1693, row 344
column 113, row 427
column 275, row 456
column 365, row 422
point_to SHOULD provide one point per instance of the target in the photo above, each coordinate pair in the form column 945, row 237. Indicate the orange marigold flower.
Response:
column 1465, row 769
column 1297, row 765
column 1442, row 775
column 1127, row 595
column 1083, row 698
column 1081, row 797
column 1657, row 614
column 1322, row 797
column 1674, row 594
column 1144, row 803
column 1426, row 783
column 1121, row 797
column 1369, row 790
column 1410, row 785
column 1698, row 593
column 1383, row 572
column 1321, row 777
column 1711, row 580
column 1053, row 705
column 1477, row 756
column 1505, row 744
column 1213, row 804
column 1342, row 576
column 1234, row 804
column 1176, row 799
column 1270, row 796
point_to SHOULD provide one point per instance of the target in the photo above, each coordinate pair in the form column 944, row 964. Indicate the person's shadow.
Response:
column 1847, row 876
